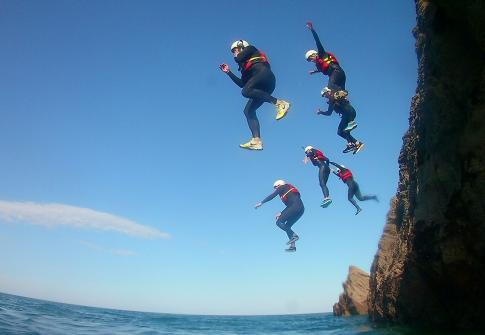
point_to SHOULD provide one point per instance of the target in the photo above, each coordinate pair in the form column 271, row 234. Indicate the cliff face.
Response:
column 353, row 301
column 430, row 263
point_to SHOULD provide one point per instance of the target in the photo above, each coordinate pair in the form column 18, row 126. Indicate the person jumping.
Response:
column 319, row 160
column 327, row 64
column 293, row 211
column 258, row 83
column 346, row 175
column 342, row 106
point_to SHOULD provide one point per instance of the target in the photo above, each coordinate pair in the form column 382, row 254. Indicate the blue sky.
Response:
column 122, row 184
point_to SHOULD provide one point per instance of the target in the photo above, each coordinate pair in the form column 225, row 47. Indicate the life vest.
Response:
column 317, row 157
column 323, row 63
column 345, row 175
column 261, row 58
column 291, row 189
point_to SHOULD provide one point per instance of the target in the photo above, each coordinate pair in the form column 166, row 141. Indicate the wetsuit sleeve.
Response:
column 271, row 196
column 338, row 165
column 321, row 50
column 245, row 54
column 329, row 110
column 235, row 79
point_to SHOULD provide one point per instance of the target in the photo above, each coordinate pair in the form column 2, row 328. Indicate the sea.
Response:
column 20, row 315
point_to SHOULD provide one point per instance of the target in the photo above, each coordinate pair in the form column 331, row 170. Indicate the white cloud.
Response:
column 65, row 215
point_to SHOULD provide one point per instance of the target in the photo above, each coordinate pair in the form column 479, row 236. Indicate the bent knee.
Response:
column 246, row 92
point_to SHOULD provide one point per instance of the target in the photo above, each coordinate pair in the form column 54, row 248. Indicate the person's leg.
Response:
column 260, row 86
column 341, row 132
column 323, row 173
column 351, row 192
column 336, row 79
column 296, row 212
column 251, row 117
column 281, row 222
column 361, row 197
column 288, row 217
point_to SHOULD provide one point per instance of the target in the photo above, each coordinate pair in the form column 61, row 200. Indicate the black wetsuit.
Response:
column 323, row 169
column 336, row 75
column 293, row 211
column 347, row 113
column 257, row 83
column 354, row 189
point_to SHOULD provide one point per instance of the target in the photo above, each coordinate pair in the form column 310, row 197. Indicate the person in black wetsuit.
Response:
column 293, row 211
column 342, row 106
column 346, row 175
column 258, row 83
column 327, row 64
column 319, row 160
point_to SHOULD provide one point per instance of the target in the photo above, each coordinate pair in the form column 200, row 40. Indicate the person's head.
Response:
column 311, row 55
column 238, row 46
column 326, row 93
column 279, row 183
column 308, row 149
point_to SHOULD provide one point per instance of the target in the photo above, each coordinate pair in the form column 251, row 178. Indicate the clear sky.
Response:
column 121, row 181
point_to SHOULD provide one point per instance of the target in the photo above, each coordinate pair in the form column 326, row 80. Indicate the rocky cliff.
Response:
column 353, row 301
column 430, row 263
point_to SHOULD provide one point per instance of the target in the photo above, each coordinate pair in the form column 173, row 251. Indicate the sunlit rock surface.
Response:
column 430, row 264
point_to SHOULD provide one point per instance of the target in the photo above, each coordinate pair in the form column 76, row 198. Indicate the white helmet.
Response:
column 239, row 44
column 308, row 148
column 309, row 53
column 325, row 90
column 278, row 183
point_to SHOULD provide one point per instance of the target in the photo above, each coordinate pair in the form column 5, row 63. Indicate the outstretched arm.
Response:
column 225, row 68
column 338, row 165
column 268, row 198
column 321, row 50
column 235, row 79
column 328, row 112
column 335, row 172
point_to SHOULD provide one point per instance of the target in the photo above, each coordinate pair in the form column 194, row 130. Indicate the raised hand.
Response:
column 224, row 68
column 309, row 25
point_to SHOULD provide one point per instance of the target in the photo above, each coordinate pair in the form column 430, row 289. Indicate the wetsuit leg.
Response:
column 323, row 173
column 353, row 187
column 250, row 113
column 361, row 197
column 288, row 217
column 336, row 79
column 261, row 84
column 342, row 125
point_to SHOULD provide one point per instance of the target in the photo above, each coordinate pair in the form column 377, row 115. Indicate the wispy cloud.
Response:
column 65, row 215
column 118, row 252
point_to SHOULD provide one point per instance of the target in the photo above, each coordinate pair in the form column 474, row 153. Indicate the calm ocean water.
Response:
column 19, row 315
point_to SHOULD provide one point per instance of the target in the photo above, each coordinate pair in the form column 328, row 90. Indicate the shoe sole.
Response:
column 290, row 250
column 284, row 113
column 360, row 148
column 250, row 147
column 326, row 204
column 253, row 149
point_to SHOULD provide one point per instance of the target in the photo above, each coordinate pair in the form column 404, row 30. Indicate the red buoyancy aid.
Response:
column 345, row 175
column 323, row 63
column 256, row 59
column 291, row 189
column 318, row 157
